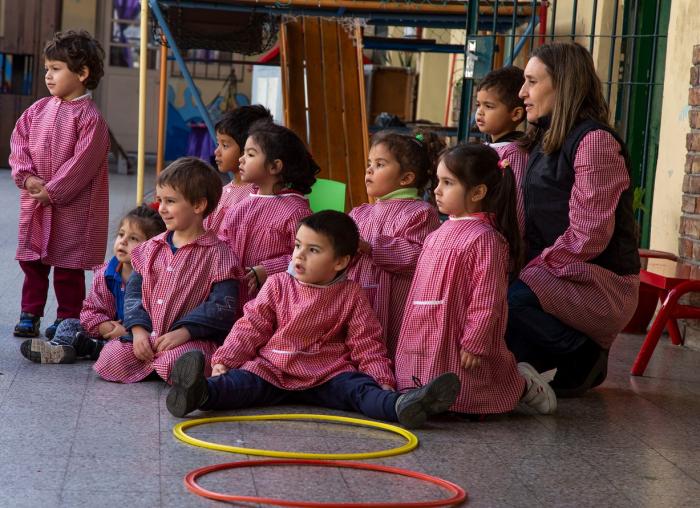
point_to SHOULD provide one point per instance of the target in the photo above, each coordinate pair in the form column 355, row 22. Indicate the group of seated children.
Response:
column 242, row 297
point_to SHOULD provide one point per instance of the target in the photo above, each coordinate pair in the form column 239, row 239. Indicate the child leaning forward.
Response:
column 310, row 337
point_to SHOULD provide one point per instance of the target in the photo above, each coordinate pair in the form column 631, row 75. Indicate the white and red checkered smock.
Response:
column 261, row 230
column 297, row 336
column 458, row 300
column 65, row 143
column 173, row 285
column 395, row 228
column 99, row 305
column 231, row 194
column 585, row 296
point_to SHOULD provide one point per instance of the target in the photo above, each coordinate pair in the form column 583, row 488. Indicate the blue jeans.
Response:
column 536, row 337
column 349, row 391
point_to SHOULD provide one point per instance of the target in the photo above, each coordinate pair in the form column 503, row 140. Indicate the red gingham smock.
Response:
column 65, row 143
column 585, row 296
column 99, row 305
column 297, row 336
column 173, row 285
column 517, row 159
column 458, row 300
column 262, row 229
column 231, row 194
column 395, row 228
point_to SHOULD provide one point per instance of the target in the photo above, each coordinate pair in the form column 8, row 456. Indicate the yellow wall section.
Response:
column 77, row 14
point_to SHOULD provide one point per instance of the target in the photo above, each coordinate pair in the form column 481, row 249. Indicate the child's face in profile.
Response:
column 62, row 82
column 253, row 166
column 227, row 153
column 177, row 212
column 453, row 198
column 128, row 237
column 383, row 173
column 493, row 116
column 314, row 260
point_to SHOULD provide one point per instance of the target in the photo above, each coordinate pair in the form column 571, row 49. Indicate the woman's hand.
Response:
column 172, row 339
column 142, row 344
column 218, row 369
column 469, row 361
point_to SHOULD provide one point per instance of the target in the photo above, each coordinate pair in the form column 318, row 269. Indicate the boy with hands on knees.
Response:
column 310, row 337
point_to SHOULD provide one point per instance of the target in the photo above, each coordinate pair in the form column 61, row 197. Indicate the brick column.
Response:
column 689, row 242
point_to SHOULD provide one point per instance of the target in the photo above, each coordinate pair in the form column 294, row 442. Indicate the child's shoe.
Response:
column 189, row 390
column 538, row 396
column 414, row 407
column 41, row 351
column 51, row 330
column 28, row 325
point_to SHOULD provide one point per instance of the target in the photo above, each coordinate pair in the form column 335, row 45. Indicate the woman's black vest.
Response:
column 546, row 192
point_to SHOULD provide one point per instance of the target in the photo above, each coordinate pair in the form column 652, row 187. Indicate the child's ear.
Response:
column 478, row 193
column 517, row 114
column 200, row 206
column 84, row 73
column 276, row 167
column 407, row 178
column 341, row 263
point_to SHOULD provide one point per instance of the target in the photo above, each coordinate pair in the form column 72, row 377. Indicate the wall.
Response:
column 666, row 212
column 79, row 14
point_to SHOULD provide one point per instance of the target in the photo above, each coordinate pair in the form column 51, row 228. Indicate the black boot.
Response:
column 581, row 370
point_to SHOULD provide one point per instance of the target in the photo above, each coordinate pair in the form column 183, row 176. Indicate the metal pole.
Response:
column 465, row 114
column 514, row 24
column 143, row 69
column 593, row 20
column 183, row 67
column 162, row 104
column 573, row 21
column 613, row 40
column 554, row 20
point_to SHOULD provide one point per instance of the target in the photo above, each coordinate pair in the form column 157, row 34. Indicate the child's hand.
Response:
column 255, row 283
column 42, row 196
column 219, row 369
column 387, row 387
column 117, row 330
column 364, row 247
column 142, row 344
column 469, row 361
column 33, row 184
column 172, row 339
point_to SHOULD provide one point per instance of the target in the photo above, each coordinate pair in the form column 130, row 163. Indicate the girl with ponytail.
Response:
column 455, row 315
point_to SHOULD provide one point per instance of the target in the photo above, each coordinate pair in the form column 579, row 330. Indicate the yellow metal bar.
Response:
column 160, row 161
column 143, row 69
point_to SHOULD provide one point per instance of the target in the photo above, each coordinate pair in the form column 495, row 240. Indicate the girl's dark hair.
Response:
column 236, row 123
column 299, row 169
column 147, row 219
column 416, row 153
column 78, row 49
column 475, row 164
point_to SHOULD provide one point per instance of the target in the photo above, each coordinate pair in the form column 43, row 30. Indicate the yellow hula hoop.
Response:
column 412, row 440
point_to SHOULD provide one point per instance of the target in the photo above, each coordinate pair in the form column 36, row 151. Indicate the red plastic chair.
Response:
column 672, row 280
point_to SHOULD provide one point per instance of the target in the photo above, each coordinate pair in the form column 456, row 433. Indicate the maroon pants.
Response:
column 68, row 283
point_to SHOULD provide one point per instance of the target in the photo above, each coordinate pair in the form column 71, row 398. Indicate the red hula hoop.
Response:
column 191, row 483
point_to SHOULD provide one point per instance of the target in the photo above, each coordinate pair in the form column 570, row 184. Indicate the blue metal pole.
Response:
column 518, row 48
column 183, row 67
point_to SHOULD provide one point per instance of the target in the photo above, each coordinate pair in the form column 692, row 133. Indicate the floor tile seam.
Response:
column 681, row 469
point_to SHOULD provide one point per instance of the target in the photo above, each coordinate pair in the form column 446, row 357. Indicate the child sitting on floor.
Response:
column 310, row 337
column 103, row 309
column 499, row 109
column 392, row 230
column 231, row 135
column 455, row 317
column 261, row 229
column 182, row 294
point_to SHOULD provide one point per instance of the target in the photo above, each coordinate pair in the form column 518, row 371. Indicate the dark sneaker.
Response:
column 189, row 390
column 41, row 351
column 28, row 325
column 414, row 407
column 568, row 387
column 51, row 330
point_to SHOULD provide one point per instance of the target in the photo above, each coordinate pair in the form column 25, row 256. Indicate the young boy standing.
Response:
column 499, row 109
column 231, row 134
column 182, row 293
column 309, row 337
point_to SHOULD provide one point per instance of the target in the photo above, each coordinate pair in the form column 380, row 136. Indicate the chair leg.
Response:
column 650, row 342
column 674, row 332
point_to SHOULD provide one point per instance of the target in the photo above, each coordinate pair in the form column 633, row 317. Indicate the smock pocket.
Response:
column 423, row 326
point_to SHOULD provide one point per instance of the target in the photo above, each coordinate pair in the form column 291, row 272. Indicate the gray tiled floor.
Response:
column 70, row 439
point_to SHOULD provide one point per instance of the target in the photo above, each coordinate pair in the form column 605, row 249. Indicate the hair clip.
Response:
column 503, row 164
column 420, row 137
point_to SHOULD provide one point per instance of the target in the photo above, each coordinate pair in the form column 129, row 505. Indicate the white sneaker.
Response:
column 538, row 394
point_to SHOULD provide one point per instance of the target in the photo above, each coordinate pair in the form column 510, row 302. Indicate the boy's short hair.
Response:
column 338, row 227
column 237, row 123
column 506, row 82
column 78, row 49
column 194, row 179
